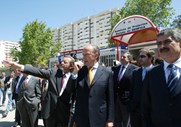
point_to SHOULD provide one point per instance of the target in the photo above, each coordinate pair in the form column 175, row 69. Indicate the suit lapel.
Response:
column 140, row 75
column 177, row 89
column 126, row 71
column 58, row 83
column 58, row 76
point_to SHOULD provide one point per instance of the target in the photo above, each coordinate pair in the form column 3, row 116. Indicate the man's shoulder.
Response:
column 156, row 70
column 132, row 66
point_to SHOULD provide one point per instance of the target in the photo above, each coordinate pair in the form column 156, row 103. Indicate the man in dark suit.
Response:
column 162, row 84
column 56, row 104
column 29, row 98
column 146, row 57
column 122, row 76
column 16, row 87
column 95, row 98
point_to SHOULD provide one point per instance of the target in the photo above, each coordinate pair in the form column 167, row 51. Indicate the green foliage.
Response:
column 3, row 69
column 36, row 45
column 158, row 11
column 176, row 22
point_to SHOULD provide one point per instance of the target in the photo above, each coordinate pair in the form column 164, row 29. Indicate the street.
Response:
column 9, row 120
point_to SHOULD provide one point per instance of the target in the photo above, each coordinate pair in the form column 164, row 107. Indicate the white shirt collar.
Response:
column 176, row 63
column 148, row 67
column 95, row 65
column 126, row 65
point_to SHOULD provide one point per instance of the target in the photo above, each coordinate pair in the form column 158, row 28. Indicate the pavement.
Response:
column 10, row 119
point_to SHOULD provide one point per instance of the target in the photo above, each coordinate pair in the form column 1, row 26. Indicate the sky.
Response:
column 15, row 14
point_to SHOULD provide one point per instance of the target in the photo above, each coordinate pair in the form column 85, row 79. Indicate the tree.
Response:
column 158, row 11
column 176, row 22
column 36, row 45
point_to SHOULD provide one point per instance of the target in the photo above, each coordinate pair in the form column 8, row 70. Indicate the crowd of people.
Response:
column 85, row 93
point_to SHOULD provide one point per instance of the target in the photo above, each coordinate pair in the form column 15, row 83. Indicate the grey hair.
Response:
column 96, row 50
column 130, row 56
column 174, row 33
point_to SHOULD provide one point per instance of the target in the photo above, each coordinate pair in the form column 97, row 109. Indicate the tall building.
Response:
column 93, row 29
column 5, row 49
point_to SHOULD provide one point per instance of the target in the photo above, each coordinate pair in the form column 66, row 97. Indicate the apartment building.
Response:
column 5, row 49
column 93, row 29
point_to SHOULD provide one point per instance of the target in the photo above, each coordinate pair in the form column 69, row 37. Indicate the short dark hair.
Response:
column 149, row 52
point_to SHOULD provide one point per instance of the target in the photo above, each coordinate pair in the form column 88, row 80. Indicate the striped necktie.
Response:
column 121, row 73
column 172, row 78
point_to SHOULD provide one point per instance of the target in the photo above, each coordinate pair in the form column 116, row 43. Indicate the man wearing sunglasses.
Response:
column 145, row 59
column 162, row 84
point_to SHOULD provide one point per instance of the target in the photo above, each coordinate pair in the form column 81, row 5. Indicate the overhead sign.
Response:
column 134, row 29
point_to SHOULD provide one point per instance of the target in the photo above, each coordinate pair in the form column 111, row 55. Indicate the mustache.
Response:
column 164, row 49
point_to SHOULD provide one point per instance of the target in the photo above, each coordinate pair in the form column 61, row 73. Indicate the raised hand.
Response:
column 12, row 64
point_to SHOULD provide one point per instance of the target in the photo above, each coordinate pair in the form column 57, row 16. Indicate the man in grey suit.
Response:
column 162, row 84
column 95, row 98
column 29, row 98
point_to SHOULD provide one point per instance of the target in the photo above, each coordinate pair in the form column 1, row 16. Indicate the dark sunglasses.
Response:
column 142, row 56
column 165, row 42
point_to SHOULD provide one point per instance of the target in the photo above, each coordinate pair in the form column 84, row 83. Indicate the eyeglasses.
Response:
column 142, row 56
column 165, row 42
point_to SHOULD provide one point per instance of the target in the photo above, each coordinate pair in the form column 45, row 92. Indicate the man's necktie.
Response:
column 90, row 75
column 143, row 73
column 25, row 83
column 121, row 73
column 62, row 81
column 172, row 78
column 18, row 84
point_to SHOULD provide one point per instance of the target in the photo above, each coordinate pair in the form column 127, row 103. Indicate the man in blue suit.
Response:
column 146, row 57
column 122, row 76
column 95, row 101
column 162, row 84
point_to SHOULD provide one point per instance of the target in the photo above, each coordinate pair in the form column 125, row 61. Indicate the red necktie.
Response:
column 62, row 81
column 25, row 83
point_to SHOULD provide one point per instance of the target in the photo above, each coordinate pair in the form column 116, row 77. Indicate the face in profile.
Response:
column 67, row 64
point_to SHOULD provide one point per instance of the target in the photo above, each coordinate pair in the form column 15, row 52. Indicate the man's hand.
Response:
column 12, row 64
column 109, row 124
column 77, row 66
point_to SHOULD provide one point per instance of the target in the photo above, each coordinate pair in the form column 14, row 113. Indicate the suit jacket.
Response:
column 136, row 90
column 122, row 88
column 54, row 77
column 15, row 95
column 160, row 109
column 94, row 104
column 135, row 98
column 29, row 94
